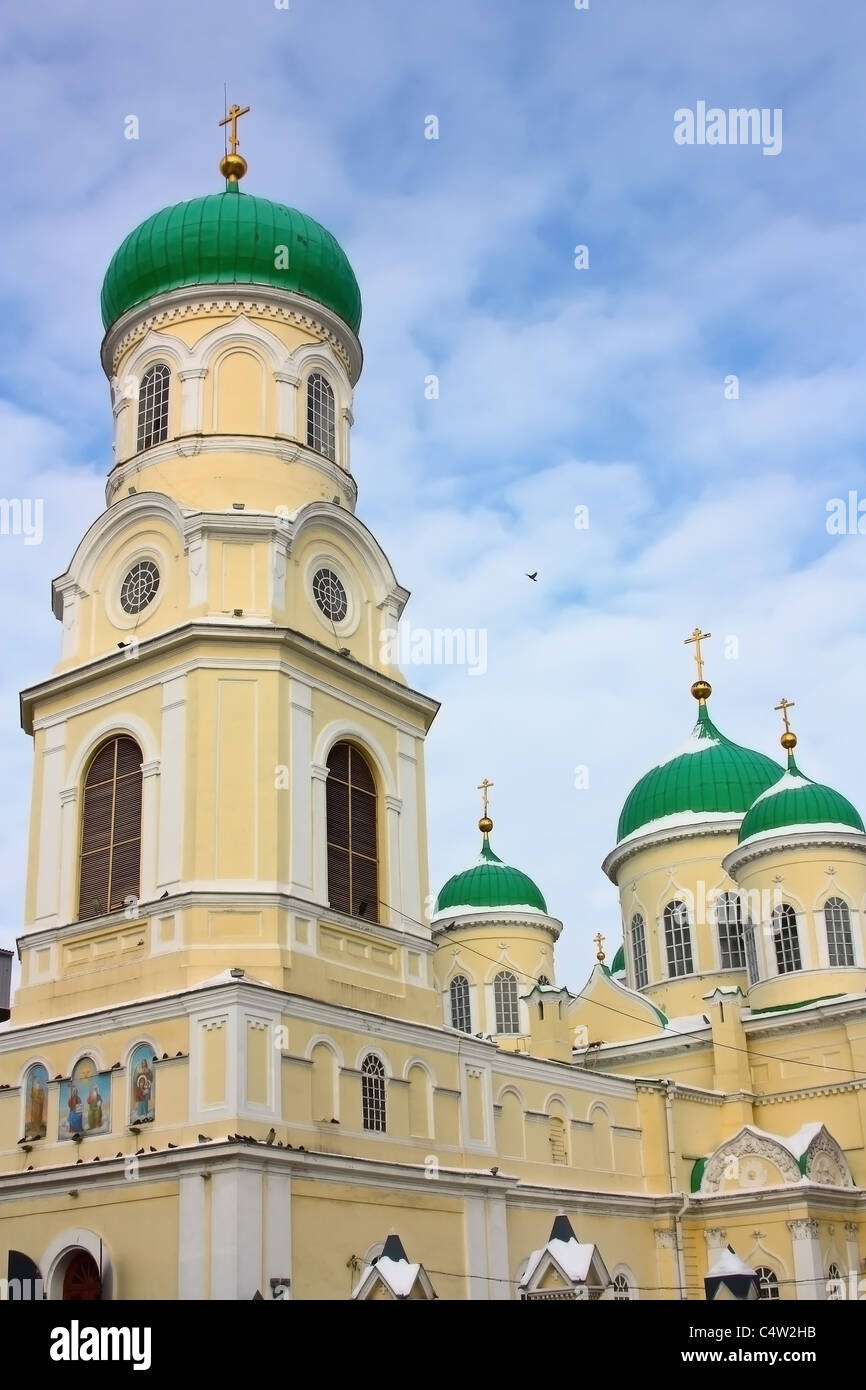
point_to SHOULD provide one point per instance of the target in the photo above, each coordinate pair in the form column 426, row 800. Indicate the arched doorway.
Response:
column 81, row 1279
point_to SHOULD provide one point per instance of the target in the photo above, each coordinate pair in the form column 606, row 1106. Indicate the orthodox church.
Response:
column 241, row 1062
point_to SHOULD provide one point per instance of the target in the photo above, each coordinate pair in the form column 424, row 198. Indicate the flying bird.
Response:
column 533, row 576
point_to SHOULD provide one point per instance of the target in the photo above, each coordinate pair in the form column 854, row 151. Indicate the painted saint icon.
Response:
column 141, row 1085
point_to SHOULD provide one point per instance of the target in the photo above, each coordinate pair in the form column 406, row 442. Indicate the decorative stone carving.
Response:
column 826, row 1163
column 751, row 1147
column 715, row 1237
column 851, row 1232
column 665, row 1240
column 806, row 1229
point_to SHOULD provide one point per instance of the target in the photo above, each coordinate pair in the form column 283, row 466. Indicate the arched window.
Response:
column 786, row 939
column 321, row 433
column 835, row 1284
column 82, row 1281
column 36, row 1102
column 461, row 1014
column 153, row 406
column 840, row 943
column 678, row 939
column 751, row 952
column 111, row 829
column 729, row 919
column 768, row 1284
column 621, row 1289
column 638, row 952
column 142, row 1094
column 506, row 1003
column 373, row 1114
column 353, row 865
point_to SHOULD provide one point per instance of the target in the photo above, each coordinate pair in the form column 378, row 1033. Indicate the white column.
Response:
column 50, row 771
column 123, row 421
column 196, row 546
column 319, row 776
column 808, row 1265
column 497, row 1248
column 302, row 830
column 476, row 1249
column 149, row 829
column 393, row 807
column 191, row 1253
column 71, row 594
column 191, row 396
column 279, row 567
column 67, row 907
column 287, row 404
column 236, row 1234
column 278, row 1228
column 853, row 1254
column 410, row 865
column 172, row 789
column 347, row 420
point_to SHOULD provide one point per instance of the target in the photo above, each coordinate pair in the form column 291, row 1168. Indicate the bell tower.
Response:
column 228, row 773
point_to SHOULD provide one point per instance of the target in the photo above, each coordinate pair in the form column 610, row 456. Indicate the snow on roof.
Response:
column 399, row 1275
column 797, row 1143
column 726, row 1262
column 680, row 818
column 788, row 782
column 474, row 908
column 697, row 742
column 689, row 1023
column 573, row 1259
column 826, row 826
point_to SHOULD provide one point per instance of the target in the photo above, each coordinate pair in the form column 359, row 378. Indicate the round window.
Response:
column 330, row 595
column 139, row 587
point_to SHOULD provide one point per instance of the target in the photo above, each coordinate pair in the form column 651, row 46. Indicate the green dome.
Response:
column 230, row 238
column 489, row 885
column 795, row 801
column 617, row 965
column 709, row 775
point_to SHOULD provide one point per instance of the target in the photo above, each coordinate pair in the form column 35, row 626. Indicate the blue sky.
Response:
column 559, row 387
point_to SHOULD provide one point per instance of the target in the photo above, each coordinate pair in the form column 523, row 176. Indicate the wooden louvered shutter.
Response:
column 353, row 867
column 111, row 829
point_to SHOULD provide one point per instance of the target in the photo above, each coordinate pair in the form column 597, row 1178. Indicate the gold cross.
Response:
column 698, row 637
column 232, row 119
column 483, row 788
column 599, row 941
column 784, row 706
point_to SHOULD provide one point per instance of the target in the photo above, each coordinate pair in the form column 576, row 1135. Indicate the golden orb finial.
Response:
column 485, row 825
column 789, row 738
column 233, row 166
column 701, row 689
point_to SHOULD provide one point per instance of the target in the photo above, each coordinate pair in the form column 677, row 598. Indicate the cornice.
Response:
column 668, row 836
column 286, row 450
column 237, row 630
column 232, row 898
column 794, row 842
column 197, row 301
column 791, row 1199
column 493, row 917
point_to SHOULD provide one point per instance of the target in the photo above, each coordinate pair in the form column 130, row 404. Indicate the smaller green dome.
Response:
column 794, row 802
column 487, row 886
column 709, row 776
column 617, row 965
